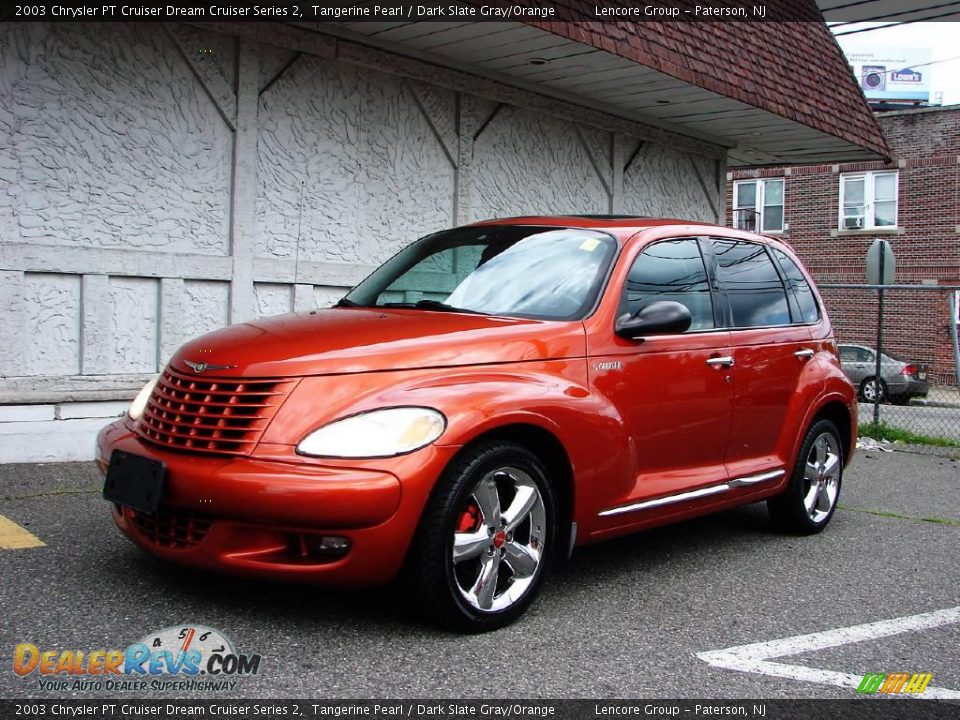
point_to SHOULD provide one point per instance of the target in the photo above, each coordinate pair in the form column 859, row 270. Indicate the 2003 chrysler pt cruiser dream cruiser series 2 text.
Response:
column 489, row 398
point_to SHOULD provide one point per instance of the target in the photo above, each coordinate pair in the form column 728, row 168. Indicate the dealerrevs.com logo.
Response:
column 180, row 658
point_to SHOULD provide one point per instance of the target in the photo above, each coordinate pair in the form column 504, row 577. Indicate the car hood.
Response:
column 356, row 340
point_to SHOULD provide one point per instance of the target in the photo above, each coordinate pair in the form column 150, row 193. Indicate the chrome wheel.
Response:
column 498, row 541
column 822, row 477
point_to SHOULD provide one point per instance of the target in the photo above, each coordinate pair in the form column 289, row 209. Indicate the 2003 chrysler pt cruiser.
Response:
column 486, row 400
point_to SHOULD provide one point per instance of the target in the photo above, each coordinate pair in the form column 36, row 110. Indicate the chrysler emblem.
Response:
column 202, row 366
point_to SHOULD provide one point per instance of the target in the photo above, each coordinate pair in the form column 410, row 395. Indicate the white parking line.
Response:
column 756, row 658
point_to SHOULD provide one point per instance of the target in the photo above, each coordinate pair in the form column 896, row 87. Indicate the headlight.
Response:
column 140, row 401
column 379, row 433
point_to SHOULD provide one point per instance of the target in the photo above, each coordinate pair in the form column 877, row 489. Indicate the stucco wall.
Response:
column 160, row 181
column 106, row 141
column 525, row 160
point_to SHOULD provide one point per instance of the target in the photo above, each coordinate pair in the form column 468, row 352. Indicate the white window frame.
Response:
column 760, row 207
column 869, row 179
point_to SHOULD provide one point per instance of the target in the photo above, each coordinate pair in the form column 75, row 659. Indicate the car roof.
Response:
column 606, row 222
column 625, row 226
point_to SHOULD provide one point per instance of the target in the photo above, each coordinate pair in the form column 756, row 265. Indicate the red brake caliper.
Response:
column 470, row 519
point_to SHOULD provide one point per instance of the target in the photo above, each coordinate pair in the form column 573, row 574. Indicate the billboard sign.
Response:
column 892, row 74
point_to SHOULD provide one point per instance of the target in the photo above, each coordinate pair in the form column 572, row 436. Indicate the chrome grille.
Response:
column 210, row 415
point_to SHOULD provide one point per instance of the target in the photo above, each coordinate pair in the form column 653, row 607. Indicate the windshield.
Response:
column 537, row 272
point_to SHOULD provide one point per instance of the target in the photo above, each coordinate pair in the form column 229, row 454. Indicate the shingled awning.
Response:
column 788, row 71
column 771, row 93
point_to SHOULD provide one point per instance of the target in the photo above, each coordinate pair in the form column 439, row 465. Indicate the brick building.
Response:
column 831, row 213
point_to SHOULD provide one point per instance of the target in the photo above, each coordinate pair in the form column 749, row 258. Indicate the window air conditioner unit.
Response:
column 854, row 223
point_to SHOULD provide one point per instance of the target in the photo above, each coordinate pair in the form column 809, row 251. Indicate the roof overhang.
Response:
column 534, row 59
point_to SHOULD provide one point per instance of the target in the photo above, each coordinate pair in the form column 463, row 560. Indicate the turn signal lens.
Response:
column 139, row 403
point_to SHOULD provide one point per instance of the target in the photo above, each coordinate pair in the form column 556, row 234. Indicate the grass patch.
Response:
column 899, row 516
column 883, row 431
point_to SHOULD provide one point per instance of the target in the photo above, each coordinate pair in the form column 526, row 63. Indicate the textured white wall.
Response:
column 119, row 171
column 49, row 312
column 134, row 305
column 347, row 160
column 528, row 164
column 273, row 298
column 663, row 182
column 106, row 140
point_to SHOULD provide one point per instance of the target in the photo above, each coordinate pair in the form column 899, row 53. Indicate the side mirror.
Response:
column 664, row 317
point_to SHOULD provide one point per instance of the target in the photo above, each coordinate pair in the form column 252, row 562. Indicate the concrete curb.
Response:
column 934, row 403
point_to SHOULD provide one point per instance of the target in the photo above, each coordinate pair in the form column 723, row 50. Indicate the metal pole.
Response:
column 954, row 320
column 876, row 374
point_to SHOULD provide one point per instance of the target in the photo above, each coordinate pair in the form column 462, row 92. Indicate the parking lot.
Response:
column 636, row 617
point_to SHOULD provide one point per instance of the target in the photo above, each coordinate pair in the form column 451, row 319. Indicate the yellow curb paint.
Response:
column 14, row 537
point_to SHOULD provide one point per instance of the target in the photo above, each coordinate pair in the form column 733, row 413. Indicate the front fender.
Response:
column 552, row 395
column 554, row 398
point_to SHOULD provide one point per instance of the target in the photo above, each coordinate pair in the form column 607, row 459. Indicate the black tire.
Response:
column 882, row 386
column 433, row 581
column 789, row 510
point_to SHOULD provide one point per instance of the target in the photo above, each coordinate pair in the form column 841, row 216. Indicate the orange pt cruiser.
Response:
column 488, row 399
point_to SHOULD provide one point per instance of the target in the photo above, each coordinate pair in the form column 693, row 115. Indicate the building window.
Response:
column 868, row 200
column 758, row 205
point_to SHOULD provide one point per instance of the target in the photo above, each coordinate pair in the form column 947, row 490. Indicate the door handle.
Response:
column 804, row 353
column 717, row 362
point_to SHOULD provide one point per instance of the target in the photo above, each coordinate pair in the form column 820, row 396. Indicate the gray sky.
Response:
column 942, row 38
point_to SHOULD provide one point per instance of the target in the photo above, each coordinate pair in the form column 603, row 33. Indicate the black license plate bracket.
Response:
column 135, row 481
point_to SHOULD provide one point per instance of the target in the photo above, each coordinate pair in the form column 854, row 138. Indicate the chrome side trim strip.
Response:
column 694, row 494
column 668, row 500
column 753, row 479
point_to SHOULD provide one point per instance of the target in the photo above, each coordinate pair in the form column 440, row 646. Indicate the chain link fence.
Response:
column 915, row 396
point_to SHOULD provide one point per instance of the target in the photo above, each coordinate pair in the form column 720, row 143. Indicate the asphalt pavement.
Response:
column 626, row 618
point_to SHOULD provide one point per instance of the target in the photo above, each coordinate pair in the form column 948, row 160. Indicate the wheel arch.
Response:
column 839, row 414
column 550, row 451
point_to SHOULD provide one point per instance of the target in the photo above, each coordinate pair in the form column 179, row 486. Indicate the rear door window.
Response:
column 751, row 284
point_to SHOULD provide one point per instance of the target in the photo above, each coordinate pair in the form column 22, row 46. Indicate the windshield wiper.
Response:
column 343, row 302
column 431, row 305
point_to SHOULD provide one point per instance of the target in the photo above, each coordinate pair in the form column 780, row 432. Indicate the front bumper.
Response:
column 256, row 516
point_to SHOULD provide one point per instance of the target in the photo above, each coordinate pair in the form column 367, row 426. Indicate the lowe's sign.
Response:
column 891, row 74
